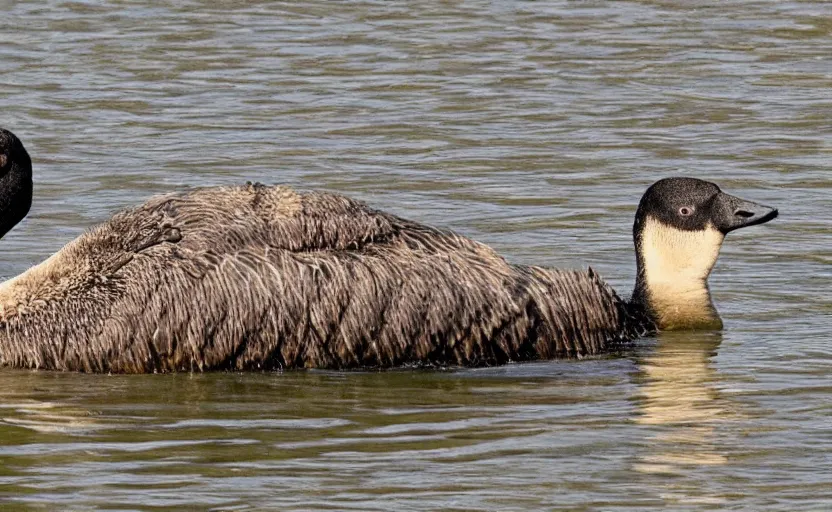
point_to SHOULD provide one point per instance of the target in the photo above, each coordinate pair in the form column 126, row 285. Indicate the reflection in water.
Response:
column 681, row 402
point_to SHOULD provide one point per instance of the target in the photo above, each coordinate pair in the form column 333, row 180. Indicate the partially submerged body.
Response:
column 259, row 277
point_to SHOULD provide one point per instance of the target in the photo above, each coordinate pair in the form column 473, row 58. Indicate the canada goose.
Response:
column 260, row 277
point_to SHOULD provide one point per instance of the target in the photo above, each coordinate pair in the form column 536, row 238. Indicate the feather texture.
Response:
column 258, row 277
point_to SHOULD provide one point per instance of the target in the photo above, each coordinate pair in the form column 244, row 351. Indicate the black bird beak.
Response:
column 730, row 213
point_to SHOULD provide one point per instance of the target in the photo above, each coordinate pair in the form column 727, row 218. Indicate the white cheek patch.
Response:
column 671, row 254
column 677, row 264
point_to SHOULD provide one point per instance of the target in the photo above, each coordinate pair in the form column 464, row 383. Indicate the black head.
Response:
column 690, row 204
column 15, row 181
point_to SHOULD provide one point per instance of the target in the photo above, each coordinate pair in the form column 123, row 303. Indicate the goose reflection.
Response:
column 680, row 402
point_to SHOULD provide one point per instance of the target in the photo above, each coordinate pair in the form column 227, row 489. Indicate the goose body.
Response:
column 263, row 277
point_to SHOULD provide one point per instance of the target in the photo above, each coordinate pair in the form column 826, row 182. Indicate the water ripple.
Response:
column 533, row 126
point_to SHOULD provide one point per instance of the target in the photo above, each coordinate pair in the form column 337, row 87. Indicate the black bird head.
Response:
column 15, row 181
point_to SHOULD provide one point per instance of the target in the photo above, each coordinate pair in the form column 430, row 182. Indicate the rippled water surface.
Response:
column 532, row 126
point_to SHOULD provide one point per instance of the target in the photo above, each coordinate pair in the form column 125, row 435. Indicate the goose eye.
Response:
column 686, row 211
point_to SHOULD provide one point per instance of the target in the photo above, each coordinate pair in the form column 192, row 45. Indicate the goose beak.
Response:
column 732, row 213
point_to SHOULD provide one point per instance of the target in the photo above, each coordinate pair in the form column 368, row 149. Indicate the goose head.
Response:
column 15, row 181
column 679, row 228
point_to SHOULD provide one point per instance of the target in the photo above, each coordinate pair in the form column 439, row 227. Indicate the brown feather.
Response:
column 258, row 277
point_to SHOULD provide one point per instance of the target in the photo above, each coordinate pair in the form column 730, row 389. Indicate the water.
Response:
column 532, row 126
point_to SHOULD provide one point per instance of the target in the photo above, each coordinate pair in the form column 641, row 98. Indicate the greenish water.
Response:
column 531, row 126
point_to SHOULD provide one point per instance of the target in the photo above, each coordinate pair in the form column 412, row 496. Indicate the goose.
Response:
column 257, row 277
